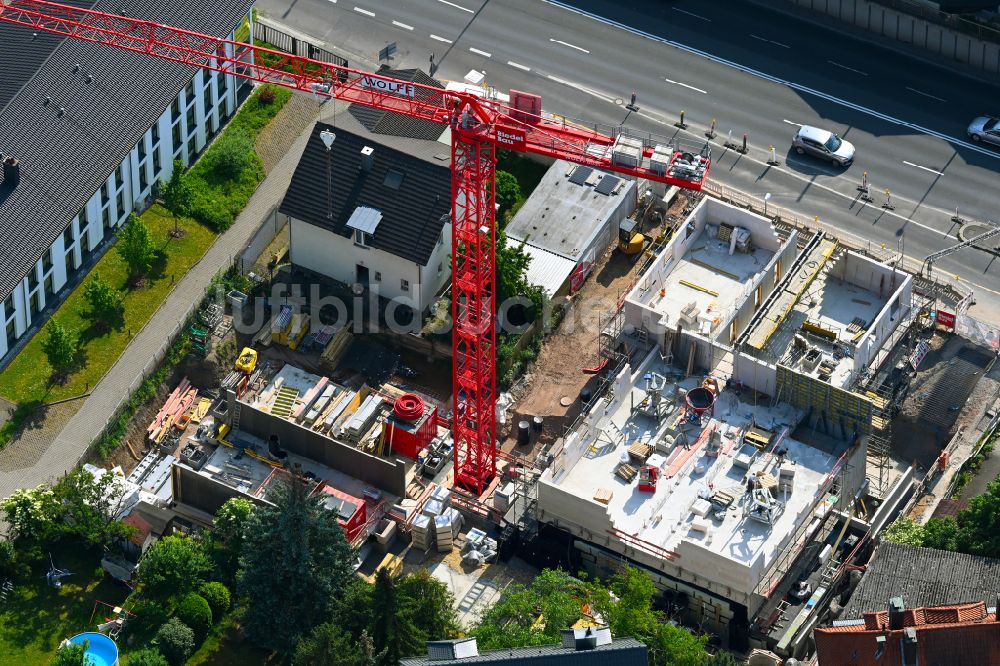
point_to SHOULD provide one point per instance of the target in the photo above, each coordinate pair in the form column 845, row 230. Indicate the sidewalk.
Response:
column 87, row 423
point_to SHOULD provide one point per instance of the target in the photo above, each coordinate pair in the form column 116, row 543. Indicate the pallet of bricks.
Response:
column 438, row 522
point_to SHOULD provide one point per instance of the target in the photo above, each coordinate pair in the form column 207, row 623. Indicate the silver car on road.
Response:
column 824, row 145
column 985, row 128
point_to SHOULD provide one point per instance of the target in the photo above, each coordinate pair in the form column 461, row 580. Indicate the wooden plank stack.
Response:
column 179, row 401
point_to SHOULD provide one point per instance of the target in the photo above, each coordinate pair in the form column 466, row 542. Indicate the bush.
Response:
column 8, row 560
column 146, row 657
column 230, row 156
column 195, row 612
column 174, row 565
column 218, row 598
column 211, row 210
column 149, row 614
column 266, row 95
column 176, row 641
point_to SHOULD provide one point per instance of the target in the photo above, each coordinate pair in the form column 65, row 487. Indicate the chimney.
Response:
column 909, row 641
column 585, row 639
column 11, row 171
column 367, row 158
column 896, row 609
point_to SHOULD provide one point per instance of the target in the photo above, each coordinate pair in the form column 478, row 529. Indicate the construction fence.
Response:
column 295, row 45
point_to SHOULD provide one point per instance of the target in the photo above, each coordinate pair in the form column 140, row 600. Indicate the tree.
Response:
column 431, row 603
column 135, row 245
column 60, row 347
column 106, row 304
column 194, row 611
column 226, row 542
column 670, row 645
column 178, row 195
column 978, row 525
column 295, row 562
column 905, row 530
column 327, row 645
column 352, row 611
column 231, row 155
column 72, row 654
column 32, row 514
column 89, row 506
column 941, row 533
column 393, row 629
column 147, row 657
column 175, row 565
column 722, row 658
column 218, row 598
column 508, row 192
column 511, row 622
column 175, row 641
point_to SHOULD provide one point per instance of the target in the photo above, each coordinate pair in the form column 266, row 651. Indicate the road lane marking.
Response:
column 333, row 1
column 786, row 120
column 441, row 39
column 452, row 4
column 774, row 79
column 402, row 25
column 697, row 16
column 482, row 53
column 364, row 11
column 572, row 46
column 940, row 173
column 519, row 66
column 850, row 69
column 770, row 41
column 684, row 85
column 582, row 88
column 920, row 92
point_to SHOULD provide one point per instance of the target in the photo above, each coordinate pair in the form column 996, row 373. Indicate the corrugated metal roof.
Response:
column 547, row 269
column 365, row 219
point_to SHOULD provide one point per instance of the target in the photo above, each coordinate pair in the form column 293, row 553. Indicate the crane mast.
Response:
column 479, row 126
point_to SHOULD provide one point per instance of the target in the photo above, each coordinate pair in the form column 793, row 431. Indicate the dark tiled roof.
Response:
column 923, row 577
column 964, row 635
column 397, row 124
column 621, row 652
column 412, row 215
column 65, row 160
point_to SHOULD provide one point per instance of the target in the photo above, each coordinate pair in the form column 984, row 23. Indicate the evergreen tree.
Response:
column 60, row 347
column 393, row 629
column 432, row 605
column 295, row 562
column 135, row 246
column 327, row 645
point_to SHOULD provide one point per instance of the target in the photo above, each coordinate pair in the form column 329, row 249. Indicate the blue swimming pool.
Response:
column 101, row 650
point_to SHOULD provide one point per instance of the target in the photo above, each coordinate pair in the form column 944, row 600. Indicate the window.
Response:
column 361, row 238
column 189, row 91
column 68, row 235
column 82, row 216
column 8, row 306
column 142, row 149
column 155, row 131
column 36, row 302
column 393, row 179
column 48, row 285
column 190, row 118
column 206, row 99
column 47, row 261
column 156, row 164
column 104, row 193
column 118, row 171
column 106, row 219
column 175, row 132
column 32, row 280
column 175, row 109
column 378, row 276
column 404, row 285
column 120, row 200
column 10, row 333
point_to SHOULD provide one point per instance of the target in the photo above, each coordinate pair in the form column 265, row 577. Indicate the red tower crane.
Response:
column 478, row 126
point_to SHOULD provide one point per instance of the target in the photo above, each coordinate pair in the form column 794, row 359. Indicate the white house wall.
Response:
column 336, row 256
column 127, row 191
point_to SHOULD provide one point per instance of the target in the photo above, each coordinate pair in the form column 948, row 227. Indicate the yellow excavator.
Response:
column 630, row 239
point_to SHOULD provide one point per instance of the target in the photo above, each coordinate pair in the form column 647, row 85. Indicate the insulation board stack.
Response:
column 443, row 533
column 423, row 537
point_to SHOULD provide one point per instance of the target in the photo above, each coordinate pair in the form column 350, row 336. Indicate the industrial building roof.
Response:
column 923, row 577
column 64, row 160
column 566, row 211
column 620, row 652
column 409, row 184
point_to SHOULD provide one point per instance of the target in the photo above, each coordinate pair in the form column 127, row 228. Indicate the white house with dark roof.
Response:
column 86, row 130
column 382, row 220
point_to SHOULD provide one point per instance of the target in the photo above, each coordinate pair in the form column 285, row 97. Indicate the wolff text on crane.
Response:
column 386, row 85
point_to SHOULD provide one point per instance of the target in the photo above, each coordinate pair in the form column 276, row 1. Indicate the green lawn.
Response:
column 27, row 378
column 223, row 647
column 36, row 618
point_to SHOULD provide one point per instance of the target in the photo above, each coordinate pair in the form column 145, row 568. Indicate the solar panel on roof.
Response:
column 607, row 185
column 581, row 175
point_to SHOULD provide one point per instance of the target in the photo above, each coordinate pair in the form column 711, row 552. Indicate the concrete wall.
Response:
column 202, row 492
column 389, row 475
column 755, row 373
column 902, row 27
column 125, row 190
column 333, row 255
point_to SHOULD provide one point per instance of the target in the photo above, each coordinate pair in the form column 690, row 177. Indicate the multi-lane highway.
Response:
column 753, row 69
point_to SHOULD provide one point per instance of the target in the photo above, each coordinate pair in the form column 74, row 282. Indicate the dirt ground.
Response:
column 557, row 376
column 914, row 437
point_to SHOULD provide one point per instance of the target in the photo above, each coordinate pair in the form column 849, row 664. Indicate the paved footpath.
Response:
column 86, row 425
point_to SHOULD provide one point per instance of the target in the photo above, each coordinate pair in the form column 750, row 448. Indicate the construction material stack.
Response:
column 420, row 530
column 411, row 425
